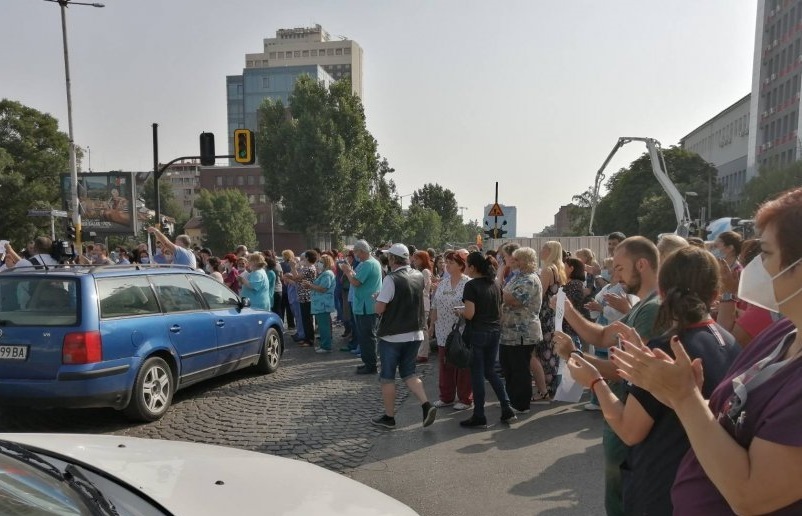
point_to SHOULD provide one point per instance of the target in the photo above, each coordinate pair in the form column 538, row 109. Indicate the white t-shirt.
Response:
column 42, row 259
column 386, row 295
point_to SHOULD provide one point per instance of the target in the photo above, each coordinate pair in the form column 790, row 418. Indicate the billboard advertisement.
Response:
column 105, row 201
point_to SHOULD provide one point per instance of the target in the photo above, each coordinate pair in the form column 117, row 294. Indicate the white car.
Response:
column 75, row 474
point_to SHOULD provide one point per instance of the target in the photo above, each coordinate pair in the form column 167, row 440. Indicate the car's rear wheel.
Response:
column 153, row 391
column 271, row 352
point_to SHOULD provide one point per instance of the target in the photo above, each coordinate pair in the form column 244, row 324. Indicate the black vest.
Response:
column 404, row 313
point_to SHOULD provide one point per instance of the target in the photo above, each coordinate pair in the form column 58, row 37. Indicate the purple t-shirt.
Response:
column 773, row 412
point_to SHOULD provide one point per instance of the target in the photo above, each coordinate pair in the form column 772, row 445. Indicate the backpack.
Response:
column 458, row 350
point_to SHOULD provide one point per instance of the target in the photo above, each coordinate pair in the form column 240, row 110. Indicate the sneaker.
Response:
column 441, row 403
column 591, row 406
column 322, row 350
column 365, row 370
column 508, row 415
column 429, row 413
column 474, row 422
column 462, row 406
column 384, row 420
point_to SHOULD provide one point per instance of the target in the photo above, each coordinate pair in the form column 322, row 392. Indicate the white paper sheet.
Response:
column 569, row 389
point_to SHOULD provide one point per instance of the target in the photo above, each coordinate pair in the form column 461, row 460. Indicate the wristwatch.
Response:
column 727, row 297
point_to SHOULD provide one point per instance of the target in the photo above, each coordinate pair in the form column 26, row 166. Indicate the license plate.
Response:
column 13, row 352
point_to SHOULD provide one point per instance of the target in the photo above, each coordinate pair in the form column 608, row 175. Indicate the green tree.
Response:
column 442, row 200
column 168, row 203
column 318, row 158
column 636, row 203
column 227, row 218
column 33, row 153
column 382, row 208
column 769, row 183
column 423, row 228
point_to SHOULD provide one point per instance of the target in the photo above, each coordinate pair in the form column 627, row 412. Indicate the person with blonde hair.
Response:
column 667, row 244
column 520, row 329
column 255, row 285
column 552, row 277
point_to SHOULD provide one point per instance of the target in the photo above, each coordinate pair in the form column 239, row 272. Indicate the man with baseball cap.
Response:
column 366, row 281
column 401, row 330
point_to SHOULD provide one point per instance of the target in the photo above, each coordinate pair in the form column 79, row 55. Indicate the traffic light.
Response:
column 71, row 234
column 243, row 147
column 166, row 228
column 207, row 149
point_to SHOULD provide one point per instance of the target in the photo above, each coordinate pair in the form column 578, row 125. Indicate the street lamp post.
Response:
column 76, row 215
column 401, row 200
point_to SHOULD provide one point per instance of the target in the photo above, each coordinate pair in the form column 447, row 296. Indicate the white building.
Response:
column 341, row 58
column 724, row 141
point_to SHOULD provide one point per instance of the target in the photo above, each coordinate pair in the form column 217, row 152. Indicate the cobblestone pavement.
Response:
column 314, row 408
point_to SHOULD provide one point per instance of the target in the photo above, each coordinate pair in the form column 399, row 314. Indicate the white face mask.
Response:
column 757, row 285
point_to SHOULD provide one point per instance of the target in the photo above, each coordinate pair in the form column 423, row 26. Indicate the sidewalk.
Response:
column 548, row 462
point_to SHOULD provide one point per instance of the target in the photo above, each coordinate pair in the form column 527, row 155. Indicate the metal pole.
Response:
column 76, row 214
column 89, row 154
column 710, row 193
column 272, row 230
column 52, row 227
column 156, row 174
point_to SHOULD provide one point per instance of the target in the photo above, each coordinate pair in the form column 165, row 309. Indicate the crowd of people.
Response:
column 689, row 348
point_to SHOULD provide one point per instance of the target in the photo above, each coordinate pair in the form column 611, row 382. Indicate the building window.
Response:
column 229, row 180
column 240, row 181
column 218, row 180
column 297, row 53
column 263, row 218
column 263, row 199
column 265, row 82
column 251, row 180
column 338, row 52
column 281, row 55
column 329, row 51
column 188, row 191
column 305, row 53
column 288, row 55
column 261, row 180
column 314, row 53
column 251, row 199
column 347, row 51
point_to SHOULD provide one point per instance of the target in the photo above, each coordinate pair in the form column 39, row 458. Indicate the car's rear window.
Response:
column 38, row 301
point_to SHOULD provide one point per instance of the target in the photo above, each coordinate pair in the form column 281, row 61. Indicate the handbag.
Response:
column 458, row 349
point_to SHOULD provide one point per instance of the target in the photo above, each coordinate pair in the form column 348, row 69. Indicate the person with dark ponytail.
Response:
column 688, row 283
column 482, row 311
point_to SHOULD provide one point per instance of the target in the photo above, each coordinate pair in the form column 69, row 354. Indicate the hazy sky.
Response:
column 531, row 94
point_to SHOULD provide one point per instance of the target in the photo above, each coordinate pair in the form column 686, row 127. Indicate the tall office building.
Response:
column 273, row 72
column 775, row 105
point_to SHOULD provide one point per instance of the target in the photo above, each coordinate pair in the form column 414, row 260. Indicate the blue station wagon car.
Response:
column 125, row 337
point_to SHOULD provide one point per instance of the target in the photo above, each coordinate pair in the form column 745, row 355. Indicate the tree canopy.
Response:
column 228, row 219
column 318, row 157
column 769, row 183
column 33, row 153
column 636, row 204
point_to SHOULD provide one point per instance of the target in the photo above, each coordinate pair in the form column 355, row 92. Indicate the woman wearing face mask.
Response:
column 746, row 454
column 144, row 258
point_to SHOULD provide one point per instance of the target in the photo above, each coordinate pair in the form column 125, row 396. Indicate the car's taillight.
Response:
column 81, row 348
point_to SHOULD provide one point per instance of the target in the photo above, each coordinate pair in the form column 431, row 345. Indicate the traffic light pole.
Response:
column 158, row 171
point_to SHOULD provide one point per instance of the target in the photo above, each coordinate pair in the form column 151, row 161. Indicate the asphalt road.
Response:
column 314, row 408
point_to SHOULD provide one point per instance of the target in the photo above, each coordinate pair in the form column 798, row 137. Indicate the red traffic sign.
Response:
column 495, row 211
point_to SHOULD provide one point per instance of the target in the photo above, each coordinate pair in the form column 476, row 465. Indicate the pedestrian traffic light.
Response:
column 166, row 227
column 207, row 149
column 243, row 147
column 71, row 234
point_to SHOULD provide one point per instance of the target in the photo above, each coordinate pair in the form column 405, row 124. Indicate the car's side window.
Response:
column 176, row 293
column 217, row 295
column 120, row 297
